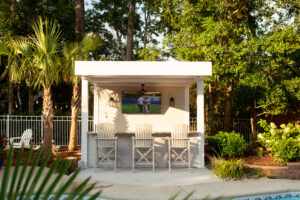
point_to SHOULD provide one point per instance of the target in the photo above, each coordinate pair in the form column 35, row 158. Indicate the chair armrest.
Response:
column 179, row 138
column 14, row 138
column 27, row 138
column 11, row 140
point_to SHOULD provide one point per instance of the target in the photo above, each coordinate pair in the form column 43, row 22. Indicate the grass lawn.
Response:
column 133, row 108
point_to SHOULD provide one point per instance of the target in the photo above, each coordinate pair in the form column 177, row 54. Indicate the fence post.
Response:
column 42, row 127
column 7, row 127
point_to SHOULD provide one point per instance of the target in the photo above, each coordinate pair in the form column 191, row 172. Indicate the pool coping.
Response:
column 269, row 196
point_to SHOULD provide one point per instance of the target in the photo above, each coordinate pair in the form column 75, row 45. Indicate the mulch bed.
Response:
column 63, row 151
column 71, row 155
column 266, row 160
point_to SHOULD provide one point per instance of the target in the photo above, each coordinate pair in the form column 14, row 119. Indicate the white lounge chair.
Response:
column 179, row 145
column 23, row 140
column 143, row 144
column 106, row 145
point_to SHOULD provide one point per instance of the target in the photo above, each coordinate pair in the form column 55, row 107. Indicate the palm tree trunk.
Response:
column 30, row 96
column 253, row 121
column 30, row 101
column 74, row 114
column 129, row 46
column 10, row 98
column 48, row 121
column 228, row 109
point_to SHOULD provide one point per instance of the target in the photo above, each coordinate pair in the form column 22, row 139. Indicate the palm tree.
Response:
column 8, row 48
column 77, row 51
column 46, row 45
column 27, row 72
column 20, row 67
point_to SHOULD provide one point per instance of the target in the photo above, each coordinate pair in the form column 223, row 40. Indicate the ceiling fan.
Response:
column 142, row 90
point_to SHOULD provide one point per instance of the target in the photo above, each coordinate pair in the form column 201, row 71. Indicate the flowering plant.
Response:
column 3, row 152
column 283, row 142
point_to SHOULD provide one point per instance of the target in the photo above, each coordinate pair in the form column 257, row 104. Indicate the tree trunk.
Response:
column 146, row 27
column 79, row 20
column 48, row 121
column 10, row 98
column 12, row 5
column 228, row 109
column 129, row 46
column 119, row 39
column 253, row 121
column 30, row 96
column 74, row 114
column 30, row 101
column 211, row 117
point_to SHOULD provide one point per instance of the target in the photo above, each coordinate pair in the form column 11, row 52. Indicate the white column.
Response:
column 84, row 121
column 200, row 119
column 96, row 106
column 187, row 105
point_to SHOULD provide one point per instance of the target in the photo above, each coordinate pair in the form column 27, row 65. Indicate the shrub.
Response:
column 66, row 164
column 282, row 142
column 227, row 144
column 229, row 169
column 3, row 152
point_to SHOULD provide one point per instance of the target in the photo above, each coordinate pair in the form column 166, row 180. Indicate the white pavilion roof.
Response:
column 143, row 71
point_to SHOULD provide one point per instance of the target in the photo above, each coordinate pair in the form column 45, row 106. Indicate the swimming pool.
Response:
column 281, row 196
column 63, row 197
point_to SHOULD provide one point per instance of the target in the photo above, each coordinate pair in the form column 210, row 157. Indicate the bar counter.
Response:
column 124, row 146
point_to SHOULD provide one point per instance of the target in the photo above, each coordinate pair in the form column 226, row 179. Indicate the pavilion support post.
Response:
column 84, row 122
column 187, row 105
column 200, row 119
column 96, row 108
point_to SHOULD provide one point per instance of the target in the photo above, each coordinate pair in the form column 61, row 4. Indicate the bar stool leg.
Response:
column 189, row 159
column 169, row 149
column 133, row 149
column 153, row 160
column 116, row 158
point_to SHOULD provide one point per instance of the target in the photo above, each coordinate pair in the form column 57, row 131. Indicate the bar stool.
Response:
column 179, row 145
column 143, row 144
column 106, row 145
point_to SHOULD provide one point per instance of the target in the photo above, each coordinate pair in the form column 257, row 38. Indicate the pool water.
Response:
column 63, row 197
column 281, row 196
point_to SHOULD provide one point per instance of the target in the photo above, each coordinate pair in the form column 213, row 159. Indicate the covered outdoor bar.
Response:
column 120, row 86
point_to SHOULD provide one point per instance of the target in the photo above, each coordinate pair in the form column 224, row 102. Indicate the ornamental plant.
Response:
column 227, row 144
column 3, row 152
column 229, row 169
column 283, row 142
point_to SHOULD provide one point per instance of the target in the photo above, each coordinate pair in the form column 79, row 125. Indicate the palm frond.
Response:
column 4, row 50
column 78, row 51
column 46, row 44
column 18, row 187
column 90, row 42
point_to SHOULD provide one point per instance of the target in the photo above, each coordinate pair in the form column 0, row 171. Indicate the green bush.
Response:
column 227, row 144
column 229, row 169
column 66, row 164
column 3, row 152
column 282, row 142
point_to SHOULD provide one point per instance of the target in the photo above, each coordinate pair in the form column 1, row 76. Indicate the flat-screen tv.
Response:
column 137, row 102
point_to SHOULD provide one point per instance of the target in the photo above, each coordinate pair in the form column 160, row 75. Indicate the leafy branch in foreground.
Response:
column 27, row 182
